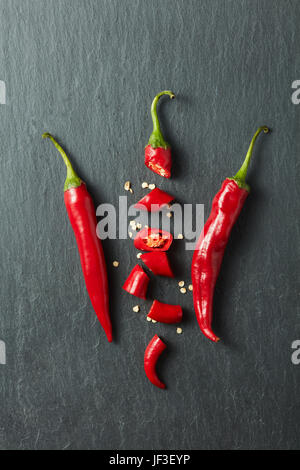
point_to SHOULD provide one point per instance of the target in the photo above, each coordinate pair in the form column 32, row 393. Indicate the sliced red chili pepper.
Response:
column 208, row 255
column 153, row 239
column 152, row 353
column 158, row 263
column 165, row 313
column 82, row 215
column 157, row 152
column 137, row 282
column 154, row 200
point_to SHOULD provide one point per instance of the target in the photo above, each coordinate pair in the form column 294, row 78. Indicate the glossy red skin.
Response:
column 81, row 212
column 158, row 263
column 144, row 234
column 154, row 200
column 165, row 313
column 208, row 255
column 152, row 353
column 137, row 282
column 159, row 160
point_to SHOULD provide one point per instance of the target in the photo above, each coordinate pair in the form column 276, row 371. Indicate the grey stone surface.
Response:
column 87, row 71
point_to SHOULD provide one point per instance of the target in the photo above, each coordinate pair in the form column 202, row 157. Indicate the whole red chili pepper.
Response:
column 152, row 353
column 137, row 282
column 153, row 239
column 158, row 263
column 158, row 152
column 208, row 255
column 81, row 212
column 154, row 200
column 165, row 313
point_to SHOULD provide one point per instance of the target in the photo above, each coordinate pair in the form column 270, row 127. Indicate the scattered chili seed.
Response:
column 116, row 264
column 144, row 185
column 131, row 190
column 179, row 331
column 132, row 222
column 148, row 319
column 170, row 215
column 130, row 234
column 138, row 226
column 183, row 290
column 181, row 283
column 127, row 186
column 151, row 186
column 136, row 308
column 180, row 236
column 154, row 321
column 191, row 287
column 139, row 255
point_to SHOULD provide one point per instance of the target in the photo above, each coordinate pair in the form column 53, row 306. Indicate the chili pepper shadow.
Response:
column 242, row 236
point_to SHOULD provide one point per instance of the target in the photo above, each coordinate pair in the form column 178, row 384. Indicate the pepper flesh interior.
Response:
column 158, row 169
column 155, row 240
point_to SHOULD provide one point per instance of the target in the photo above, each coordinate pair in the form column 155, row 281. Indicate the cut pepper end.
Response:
column 159, row 170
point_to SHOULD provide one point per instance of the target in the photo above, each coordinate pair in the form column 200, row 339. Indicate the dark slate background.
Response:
column 87, row 71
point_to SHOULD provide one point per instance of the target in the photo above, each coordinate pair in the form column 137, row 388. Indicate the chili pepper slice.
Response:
column 81, row 212
column 154, row 200
column 165, row 313
column 152, row 353
column 137, row 282
column 208, row 255
column 153, row 239
column 158, row 263
column 158, row 152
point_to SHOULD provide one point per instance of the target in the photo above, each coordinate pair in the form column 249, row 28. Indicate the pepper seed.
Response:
column 115, row 264
column 179, row 331
column 136, row 308
column 151, row 186
column 127, row 186
column 183, row 290
column 180, row 236
column 148, row 319
column 139, row 255
column 153, row 321
column 144, row 185
column 181, row 283
column 191, row 287
column 170, row 215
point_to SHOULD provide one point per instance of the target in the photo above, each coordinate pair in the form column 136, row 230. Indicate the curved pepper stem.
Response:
column 156, row 139
column 72, row 180
column 240, row 177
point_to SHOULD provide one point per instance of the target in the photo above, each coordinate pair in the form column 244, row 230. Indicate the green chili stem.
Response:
column 240, row 177
column 156, row 138
column 72, row 180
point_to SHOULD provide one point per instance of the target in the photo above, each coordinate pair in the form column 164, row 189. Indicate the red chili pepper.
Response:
column 158, row 152
column 208, row 255
column 152, row 353
column 165, row 313
column 81, row 212
column 153, row 239
column 154, row 200
column 137, row 282
column 158, row 263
